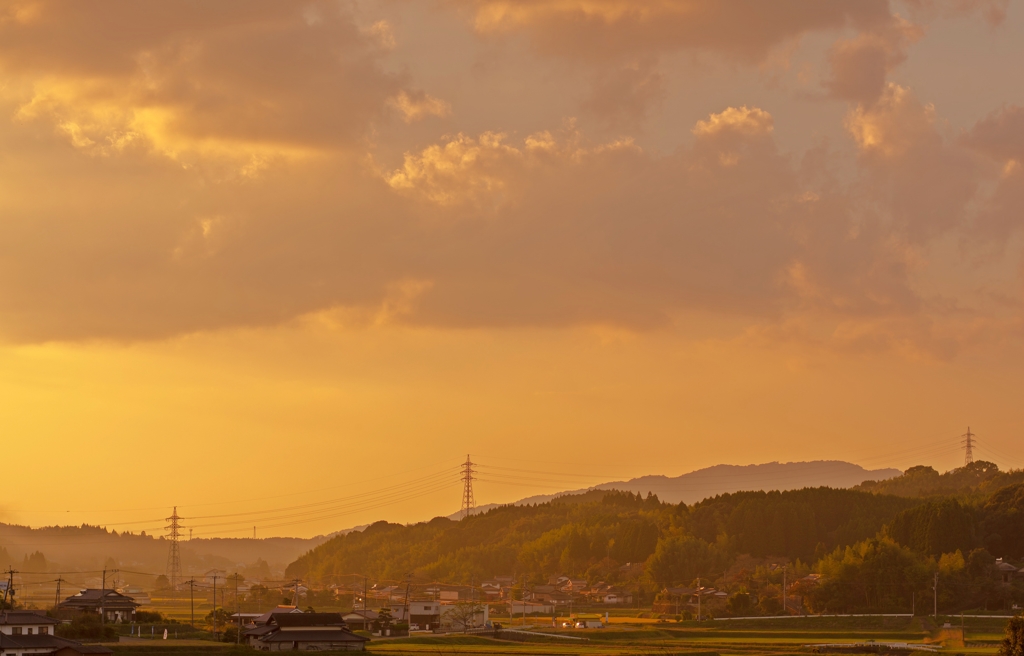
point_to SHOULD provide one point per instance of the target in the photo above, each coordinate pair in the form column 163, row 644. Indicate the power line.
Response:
column 236, row 501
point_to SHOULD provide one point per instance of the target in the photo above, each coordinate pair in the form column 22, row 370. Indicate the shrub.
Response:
column 86, row 626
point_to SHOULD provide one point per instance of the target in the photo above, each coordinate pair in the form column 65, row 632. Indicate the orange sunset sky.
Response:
column 257, row 255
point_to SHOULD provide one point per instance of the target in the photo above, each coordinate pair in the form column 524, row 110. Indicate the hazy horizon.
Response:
column 283, row 265
column 343, row 512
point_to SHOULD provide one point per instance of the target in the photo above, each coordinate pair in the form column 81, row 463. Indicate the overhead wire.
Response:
column 397, row 487
column 400, row 494
column 320, row 510
column 252, row 499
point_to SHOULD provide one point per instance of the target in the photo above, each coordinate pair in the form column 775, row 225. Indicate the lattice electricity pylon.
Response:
column 968, row 442
column 467, row 490
column 174, row 555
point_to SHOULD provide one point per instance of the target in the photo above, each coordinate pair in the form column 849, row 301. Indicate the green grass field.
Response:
column 639, row 637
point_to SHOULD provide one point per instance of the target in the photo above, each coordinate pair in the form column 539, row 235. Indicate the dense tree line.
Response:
column 873, row 551
column 573, row 535
column 594, row 534
column 977, row 479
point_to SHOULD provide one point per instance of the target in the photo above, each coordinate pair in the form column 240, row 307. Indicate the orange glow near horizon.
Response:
column 285, row 265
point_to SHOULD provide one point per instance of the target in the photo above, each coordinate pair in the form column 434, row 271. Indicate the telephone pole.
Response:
column 968, row 442
column 408, row 583
column 103, row 596
column 935, row 594
column 524, row 599
column 56, row 598
column 10, row 586
column 238, row 612
column 468, row 503
column 698, row 599
column 215, row 606
column 174, row 555
column 192, row 601
column 784, row 611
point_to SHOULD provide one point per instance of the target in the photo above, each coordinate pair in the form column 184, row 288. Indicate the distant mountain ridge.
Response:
column 722, row 479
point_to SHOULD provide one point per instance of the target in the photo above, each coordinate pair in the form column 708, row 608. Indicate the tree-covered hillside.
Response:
column 977, row 479
column 870, row 552
column 595, row 533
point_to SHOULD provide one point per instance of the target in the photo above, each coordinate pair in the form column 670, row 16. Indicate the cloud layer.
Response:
column 170, row 169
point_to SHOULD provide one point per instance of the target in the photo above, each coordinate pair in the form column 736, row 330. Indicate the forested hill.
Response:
column 595, row 533
column 721, row 479
column 694, row 486
column 977, row 479
column 71, row 548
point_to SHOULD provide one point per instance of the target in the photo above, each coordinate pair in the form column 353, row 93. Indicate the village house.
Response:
column 424, row 615
column 531, row 608
column 387, row 593
column 245, row 619
column 574, row 586
column 1006, row 571
column 452, row 619
column 361, row 620
column 615, row 595
column 555, row 598
column 114, row 606
column 18, row 622
column 632, row 569
column 492, row 589
column 32, row 633
column 604, row 593
column 305, row 632
column 261, row 620
column 449, row 592
column 542, row 589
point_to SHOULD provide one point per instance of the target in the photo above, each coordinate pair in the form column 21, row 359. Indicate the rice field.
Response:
column 643, row 637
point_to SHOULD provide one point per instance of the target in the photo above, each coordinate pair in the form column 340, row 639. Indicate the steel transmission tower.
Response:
column 467, row 491
column 174, row 555
column 968, row 443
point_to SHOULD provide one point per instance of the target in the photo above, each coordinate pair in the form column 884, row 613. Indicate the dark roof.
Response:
column 290, row 620
column 26, row 617
column 52, row 642
column 94, row 598
column 265, row 617
column 260, row 630
column 338, row 635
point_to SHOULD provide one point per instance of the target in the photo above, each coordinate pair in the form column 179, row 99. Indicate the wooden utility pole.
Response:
column 56, row 597
column 698, row 599
column 10, row 585
column 524, row 600
column 784, row 612
column 238, row 610
column 408, row 622
column 215, row 606
column 192, row 601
